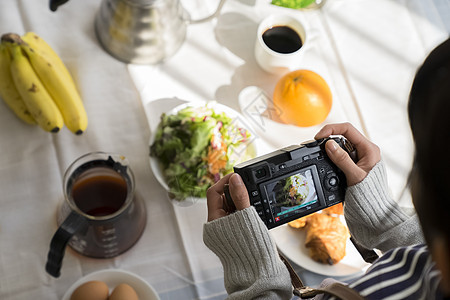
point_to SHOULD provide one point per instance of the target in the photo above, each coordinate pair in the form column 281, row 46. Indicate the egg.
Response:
column 123, row 292
column 91, row 290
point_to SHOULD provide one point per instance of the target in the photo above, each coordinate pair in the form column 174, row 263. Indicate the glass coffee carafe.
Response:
column 101, row 216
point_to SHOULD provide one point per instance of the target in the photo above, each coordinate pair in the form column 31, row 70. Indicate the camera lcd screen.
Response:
column 292, row 194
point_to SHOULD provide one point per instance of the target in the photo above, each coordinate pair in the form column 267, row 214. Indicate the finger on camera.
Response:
column 343, row 161
column 345, row 129
column 215, row 192
column 239, row 192
column 364, row 147
column 216, row 212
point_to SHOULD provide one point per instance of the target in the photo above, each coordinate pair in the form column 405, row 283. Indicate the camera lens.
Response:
column 260, row 173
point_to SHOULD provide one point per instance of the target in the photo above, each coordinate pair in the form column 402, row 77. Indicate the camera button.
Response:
column 282, row 166
column 257, row 203
column 255, row 193
column 333, row 181
column 331, row 198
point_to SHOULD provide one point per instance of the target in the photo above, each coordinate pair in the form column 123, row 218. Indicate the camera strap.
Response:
column 336, row 289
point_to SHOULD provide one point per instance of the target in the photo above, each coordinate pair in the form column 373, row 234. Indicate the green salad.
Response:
column 295, row 4
column 196, row 147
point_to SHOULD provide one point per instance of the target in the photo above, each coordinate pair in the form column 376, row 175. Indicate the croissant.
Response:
column 337, row 209
column 326, row 238
column 299, row 223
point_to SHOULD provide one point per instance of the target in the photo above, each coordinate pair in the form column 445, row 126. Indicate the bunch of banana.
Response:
column 37, row 86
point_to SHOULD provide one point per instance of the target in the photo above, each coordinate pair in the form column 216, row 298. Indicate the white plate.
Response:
column 218, row 108
column 291, row 242
column 114, row 277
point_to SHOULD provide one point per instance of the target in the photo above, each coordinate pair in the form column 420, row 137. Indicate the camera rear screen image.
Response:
column 293, row 194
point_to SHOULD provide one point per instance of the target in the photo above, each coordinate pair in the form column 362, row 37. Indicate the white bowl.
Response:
column 114, row 277
column 252, row 149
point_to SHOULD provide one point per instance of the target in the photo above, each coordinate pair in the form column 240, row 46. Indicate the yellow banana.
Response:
column 57, row 80
column 8, row 90
column 36, row 42
column 37, row 99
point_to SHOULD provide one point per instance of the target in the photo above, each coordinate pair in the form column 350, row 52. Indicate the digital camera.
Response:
column 293, row 182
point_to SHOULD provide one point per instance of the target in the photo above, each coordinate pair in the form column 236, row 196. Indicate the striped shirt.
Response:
column 401, row 273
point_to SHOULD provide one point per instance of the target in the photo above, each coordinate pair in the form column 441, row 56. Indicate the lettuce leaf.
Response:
column 181, row 145
column 295, row 4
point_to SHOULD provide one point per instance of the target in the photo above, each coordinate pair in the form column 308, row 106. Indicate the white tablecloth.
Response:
column 367, row 51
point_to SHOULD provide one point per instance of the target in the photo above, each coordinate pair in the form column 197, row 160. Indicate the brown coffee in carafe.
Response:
column 100, row 191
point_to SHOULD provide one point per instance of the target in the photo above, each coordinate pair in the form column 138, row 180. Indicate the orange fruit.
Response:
column 303, row 98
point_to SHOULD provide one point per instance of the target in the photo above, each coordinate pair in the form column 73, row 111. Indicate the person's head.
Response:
column 429, row 117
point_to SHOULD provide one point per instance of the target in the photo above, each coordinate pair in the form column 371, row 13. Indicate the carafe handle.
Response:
column 71, row 225
column 210, row 17
column 55, row 3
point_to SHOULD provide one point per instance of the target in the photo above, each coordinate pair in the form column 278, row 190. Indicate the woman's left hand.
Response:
column 216, row 199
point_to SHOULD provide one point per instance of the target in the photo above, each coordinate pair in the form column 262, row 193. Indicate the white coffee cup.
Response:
column 275, row 61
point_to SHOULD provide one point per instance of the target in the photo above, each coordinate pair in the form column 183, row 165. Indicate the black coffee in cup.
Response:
column 282, row 39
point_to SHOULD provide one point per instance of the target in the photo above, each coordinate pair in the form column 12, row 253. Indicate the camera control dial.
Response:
column 311, row 143
column 331, row 181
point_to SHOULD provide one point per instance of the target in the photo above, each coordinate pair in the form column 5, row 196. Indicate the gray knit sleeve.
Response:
column 375, row 219
column 252, row 268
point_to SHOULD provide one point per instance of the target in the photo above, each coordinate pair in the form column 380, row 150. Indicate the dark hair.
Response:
column 429, row 117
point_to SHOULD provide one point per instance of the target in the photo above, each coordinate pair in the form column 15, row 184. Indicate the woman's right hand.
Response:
column 368, row 153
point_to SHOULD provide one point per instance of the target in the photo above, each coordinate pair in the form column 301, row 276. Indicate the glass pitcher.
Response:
column 101, row 216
